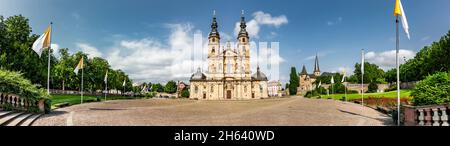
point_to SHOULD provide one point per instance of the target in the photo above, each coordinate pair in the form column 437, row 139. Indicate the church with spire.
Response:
column 307, row 80
column 228, row 76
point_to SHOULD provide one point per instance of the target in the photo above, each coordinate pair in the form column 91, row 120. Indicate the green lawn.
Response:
column 392, row 94
column 76, row 99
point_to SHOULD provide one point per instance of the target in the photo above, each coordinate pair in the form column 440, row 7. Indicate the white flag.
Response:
column 42, row 42
column 106, row 77
column 320, row 83
column 362, row 61
column 399, row 11
column 344, row 76
column 124, row 83
column 332, row 79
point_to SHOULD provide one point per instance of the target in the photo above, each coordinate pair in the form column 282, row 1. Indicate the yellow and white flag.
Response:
column 400, row 11
column 106, row 77
column 43, row 41
column 344, row 75
column 79, row 66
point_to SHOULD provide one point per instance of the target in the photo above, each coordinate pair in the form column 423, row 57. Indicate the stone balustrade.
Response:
column 14, row 102
column 435, row 115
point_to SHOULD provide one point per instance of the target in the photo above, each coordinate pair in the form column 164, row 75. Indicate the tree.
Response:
column 372, row 73
column 429, row 60
column 373, row 87
column 293, row 82
column 327, row 79
column 391, row 75
column 171, row 87
column 15, row 53
column 157, row 88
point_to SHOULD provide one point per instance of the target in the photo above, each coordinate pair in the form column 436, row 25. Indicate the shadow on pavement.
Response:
column 386, row 121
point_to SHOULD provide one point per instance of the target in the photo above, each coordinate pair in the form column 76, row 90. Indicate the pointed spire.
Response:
column 304, row 72
column 243, row 32
column 316, row 64
column 214, row 32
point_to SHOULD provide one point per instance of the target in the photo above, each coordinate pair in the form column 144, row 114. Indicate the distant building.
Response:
column 275, row 89
column 307, row 80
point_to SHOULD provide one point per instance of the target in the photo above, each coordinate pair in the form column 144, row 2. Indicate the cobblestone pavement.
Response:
column 293, row 111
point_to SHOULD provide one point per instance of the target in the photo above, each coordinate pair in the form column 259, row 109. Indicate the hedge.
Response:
column 434, row 89
column 14, row 83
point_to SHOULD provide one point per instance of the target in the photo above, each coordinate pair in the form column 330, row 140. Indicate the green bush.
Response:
column 338, row 88
column 373, row 87
column 392, row 88
column 434, row 89
column 14, row 83
column 185, row 93
column 150, row 94
column 352, row 92
column 313, row 93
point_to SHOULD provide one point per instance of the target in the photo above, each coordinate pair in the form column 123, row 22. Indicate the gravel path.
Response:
column 294, row 111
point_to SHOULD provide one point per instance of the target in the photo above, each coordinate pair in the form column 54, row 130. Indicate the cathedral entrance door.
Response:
column 228, row 94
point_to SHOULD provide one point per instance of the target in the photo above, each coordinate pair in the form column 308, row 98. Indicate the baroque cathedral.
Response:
column 228, row 76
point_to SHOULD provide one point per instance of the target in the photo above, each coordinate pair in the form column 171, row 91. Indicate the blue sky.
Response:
column 335, row 29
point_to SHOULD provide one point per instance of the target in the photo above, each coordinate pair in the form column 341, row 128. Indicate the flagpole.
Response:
column 362, row 79
column 48, row 64
column 398, row 72
column 106, row 87
column 345, row 86
column 82, row 77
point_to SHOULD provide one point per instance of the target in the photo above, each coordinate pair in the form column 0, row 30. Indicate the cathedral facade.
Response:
column 228, row 76
column 306, row 81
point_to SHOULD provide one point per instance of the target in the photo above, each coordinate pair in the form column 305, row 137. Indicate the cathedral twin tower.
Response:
column 228, row 75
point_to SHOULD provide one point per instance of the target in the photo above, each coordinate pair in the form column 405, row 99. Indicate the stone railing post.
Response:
column 421, row 117
column 445, row 115
column 436, row 117
column 428, row 117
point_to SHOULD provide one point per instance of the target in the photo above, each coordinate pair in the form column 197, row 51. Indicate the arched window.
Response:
column 196, row 89
column 243, row 39
column 212, row 88
column 260, row 89
column 213, row 50
column 213, row 39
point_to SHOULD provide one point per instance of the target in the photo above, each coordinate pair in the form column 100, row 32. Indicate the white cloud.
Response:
column 225, row 36
column 55, row 48
column 90, row 50
column 425, row 38
column 260, row 18
column 346, row 69
column 386, row 59
column 335, row 21
column 149, row 59
column 75, row 15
